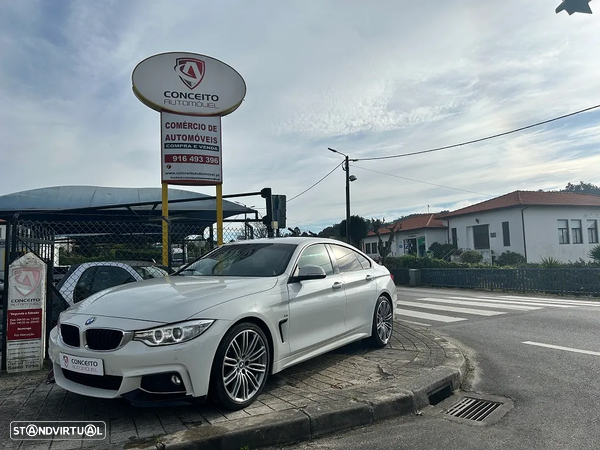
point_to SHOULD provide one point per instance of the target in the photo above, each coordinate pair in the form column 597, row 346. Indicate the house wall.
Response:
column 431, row 235
column 464, row 228
column 541, row 231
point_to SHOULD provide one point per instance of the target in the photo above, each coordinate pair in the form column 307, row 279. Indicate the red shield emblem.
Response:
column 26, row 280
column 66, row 360
column 190, row 71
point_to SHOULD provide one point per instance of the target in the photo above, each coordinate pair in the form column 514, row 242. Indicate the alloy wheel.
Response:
column 385, row 319
column 244, row 366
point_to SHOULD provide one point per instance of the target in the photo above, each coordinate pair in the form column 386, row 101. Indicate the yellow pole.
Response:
column 219, row 214
column 165, row 224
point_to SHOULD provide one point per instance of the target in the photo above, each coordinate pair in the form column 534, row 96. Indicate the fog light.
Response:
column 176, row 380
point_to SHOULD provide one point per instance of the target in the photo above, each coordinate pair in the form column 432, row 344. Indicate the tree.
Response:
column 359, row 228
column 331, row 232
column 595, row 253
column 384, row 248
column 583, row 188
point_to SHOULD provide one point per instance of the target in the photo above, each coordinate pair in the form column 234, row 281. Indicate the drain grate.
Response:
column 473, row 409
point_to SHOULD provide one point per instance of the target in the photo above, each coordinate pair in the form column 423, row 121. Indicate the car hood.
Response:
column 169, row 299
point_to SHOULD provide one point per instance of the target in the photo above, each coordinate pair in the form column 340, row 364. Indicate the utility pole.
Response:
column 347, row 169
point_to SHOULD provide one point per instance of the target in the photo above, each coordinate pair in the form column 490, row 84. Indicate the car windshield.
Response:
column 243, row 260
column 148, row 272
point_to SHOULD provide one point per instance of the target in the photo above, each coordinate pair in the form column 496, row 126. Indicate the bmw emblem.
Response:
column 90, row 320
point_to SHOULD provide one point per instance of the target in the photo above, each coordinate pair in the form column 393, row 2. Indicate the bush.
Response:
column 441, row 251
column 550, row 262
column 471, row 257
column 595, row 253
column 510, row 259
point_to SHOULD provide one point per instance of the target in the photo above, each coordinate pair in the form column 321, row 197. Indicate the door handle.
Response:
column 337, row 285
column 368, row 277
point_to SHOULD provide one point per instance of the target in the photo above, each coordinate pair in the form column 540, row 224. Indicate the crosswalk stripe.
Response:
column 476, row 303
column 554, row 300
column 415, row 323
column 428, row 316
column 514, row 302
column 478, row 312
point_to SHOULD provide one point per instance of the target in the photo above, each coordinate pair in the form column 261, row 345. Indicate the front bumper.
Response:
column 133, row 368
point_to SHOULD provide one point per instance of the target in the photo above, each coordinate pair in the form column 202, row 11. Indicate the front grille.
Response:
column 109, row 382
column 70, row 334
column 103, row 339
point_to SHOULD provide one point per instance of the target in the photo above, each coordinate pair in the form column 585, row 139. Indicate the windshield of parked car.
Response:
column 243, row 260
column 148, row 272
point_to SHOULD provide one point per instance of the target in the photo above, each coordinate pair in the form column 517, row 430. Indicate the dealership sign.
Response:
column 25, row 331
column 191, row 149
column 188, row 83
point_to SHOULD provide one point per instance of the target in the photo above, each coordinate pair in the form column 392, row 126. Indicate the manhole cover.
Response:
column 473, row 409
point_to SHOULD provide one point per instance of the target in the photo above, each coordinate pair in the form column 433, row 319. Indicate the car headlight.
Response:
column 172, row 334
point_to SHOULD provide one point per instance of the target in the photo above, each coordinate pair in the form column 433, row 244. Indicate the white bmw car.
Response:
column 221, row 325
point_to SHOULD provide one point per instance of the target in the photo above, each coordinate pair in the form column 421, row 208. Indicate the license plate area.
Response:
column 80, row 364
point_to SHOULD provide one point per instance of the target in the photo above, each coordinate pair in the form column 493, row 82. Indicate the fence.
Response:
column 550, row 281
column 129, row 250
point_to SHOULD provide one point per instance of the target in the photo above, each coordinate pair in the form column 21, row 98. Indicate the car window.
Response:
column 109, row 276
column 347, row 259
column 315, row 255
column 83, row 288
column 364, row 262
column 243, row 260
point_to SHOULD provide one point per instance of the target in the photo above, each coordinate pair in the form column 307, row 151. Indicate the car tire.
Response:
column 383, row 323
column 240, row 367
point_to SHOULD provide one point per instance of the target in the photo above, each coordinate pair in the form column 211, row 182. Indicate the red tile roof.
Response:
column 415, row 222
column 529, row 198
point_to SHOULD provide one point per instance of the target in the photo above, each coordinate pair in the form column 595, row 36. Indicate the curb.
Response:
column 286, row 427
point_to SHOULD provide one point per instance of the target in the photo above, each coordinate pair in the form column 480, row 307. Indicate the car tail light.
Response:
column 392, row 276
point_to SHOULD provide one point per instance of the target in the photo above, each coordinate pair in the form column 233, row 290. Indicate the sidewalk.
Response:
column 349, row 387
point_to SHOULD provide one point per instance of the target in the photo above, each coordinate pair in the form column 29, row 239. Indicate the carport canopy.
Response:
column 81, row 203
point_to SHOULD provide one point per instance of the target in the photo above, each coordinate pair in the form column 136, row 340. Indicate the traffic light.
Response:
column 279, row 210
column 266, row 193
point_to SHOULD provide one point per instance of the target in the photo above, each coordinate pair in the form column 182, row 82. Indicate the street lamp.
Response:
column 349, row 178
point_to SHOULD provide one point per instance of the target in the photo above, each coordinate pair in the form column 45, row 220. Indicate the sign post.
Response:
column 192, row 92
column 26, row 327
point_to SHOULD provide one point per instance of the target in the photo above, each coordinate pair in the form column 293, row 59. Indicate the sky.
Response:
column 370, row 79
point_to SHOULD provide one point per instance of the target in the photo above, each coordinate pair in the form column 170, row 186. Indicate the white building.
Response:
column 537, row 225
column 411, row 235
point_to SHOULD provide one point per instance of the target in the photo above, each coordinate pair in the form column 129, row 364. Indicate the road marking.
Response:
column 475, row 303
column 514, row 302
column 416, row 323
column 554, row 300
column 478, row 312
column 558, row 347
column 427, row 316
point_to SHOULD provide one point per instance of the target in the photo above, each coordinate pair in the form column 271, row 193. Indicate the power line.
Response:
column 481, row 139
column 306, row 190
column 419, row 181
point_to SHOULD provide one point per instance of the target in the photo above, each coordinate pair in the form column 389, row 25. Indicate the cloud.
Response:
column 368, row 79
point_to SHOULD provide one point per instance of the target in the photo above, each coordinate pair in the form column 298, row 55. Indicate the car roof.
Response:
column 295, row 240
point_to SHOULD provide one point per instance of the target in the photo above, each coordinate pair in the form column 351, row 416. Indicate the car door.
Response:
column 316, row 307
column 359, row 286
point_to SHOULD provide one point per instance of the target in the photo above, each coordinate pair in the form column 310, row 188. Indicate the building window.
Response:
column 563, row 231
column 576, row 231
column 506, row 234
column 481, row 237
column 592, row 231
column 369, row 248
column 454, row 238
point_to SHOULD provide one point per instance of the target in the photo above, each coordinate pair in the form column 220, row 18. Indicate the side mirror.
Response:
column 311, row 272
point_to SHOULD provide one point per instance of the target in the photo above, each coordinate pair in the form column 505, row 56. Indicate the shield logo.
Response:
column 190, row 71
column 26, row 280
column 66, row 360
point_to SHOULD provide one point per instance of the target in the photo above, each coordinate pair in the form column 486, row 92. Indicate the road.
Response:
column 541, row 353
